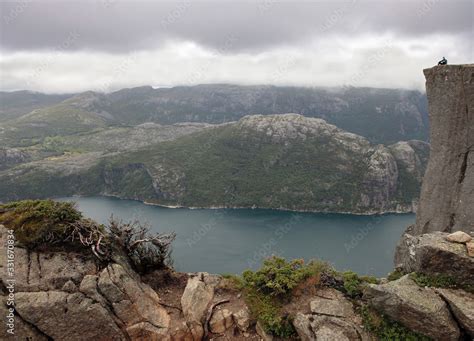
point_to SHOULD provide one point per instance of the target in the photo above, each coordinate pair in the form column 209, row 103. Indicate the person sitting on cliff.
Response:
column 443, row 61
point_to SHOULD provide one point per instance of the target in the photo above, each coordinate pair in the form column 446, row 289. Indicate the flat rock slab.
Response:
column 331, row 302
column 64, row 316
column 318, row 327
column 419, row 309
column 462, row 307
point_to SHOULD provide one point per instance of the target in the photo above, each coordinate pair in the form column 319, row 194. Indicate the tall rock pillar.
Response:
column 447, row 194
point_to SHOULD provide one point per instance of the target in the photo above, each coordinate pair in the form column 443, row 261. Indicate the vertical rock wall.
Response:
column 447, row 195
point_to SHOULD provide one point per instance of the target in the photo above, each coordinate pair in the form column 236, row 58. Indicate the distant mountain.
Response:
column 381, row 115
column 275, row 161
column 17, row 103
column 74, row 115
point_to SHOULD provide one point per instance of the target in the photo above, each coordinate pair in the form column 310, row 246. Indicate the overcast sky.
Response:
column 72, row 46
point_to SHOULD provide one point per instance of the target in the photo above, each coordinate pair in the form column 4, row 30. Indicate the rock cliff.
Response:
column 447, row 194
column 438, row 250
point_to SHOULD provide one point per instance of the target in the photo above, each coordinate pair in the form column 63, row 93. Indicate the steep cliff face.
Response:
column 447, row 195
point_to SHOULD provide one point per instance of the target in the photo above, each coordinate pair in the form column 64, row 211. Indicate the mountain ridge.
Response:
column 382, row 115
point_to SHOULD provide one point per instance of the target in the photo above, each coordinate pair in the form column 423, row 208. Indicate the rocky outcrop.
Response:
column 434, row 254
column 64, row 316
column 221, row 321
column 66, row 296
column 23, row 330
column 134, row 303
column 242, row 319
column 447, row 193
column 461, row 304
column 439, row 245
column 411, row 155
column 197, row 296
column 380, row 179
column 11, row 156
column 419, row 309
column 284, row 127
column 332, row 317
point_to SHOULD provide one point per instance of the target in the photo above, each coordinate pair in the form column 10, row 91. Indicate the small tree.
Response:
column 146, row 251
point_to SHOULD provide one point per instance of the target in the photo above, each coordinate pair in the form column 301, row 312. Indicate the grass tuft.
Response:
column 385, row 329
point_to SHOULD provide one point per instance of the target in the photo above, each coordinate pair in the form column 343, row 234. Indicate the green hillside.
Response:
column 274, row 161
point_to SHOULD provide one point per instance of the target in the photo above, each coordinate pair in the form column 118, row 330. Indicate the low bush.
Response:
column 146, row 251
column 354, row 284
column 278, row 277
column 274, row 283
column 394, row 275
column 267, row 310
column 439, row 281
column 36, row 222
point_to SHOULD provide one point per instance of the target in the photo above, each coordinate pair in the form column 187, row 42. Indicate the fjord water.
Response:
column 232, row 240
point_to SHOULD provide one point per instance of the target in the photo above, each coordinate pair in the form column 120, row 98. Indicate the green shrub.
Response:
column 394, row 275
column 267, row 310
column 353, row 283
column 386, row 329
column 278, row 277
column 438, row 281
column 269, row 287
column 36, row 222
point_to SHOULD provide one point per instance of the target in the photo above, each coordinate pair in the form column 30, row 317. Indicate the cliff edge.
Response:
column 447, row 194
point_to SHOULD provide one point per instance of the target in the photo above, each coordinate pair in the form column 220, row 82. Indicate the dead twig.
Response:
column 209, row 315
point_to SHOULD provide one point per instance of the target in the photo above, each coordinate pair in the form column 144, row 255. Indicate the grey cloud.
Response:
column 121, row 26
column 108, row 44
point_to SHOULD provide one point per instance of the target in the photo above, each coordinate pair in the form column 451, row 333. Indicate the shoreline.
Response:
column 281, row 209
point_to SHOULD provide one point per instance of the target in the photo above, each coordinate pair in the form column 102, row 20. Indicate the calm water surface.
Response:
column 230, row 241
